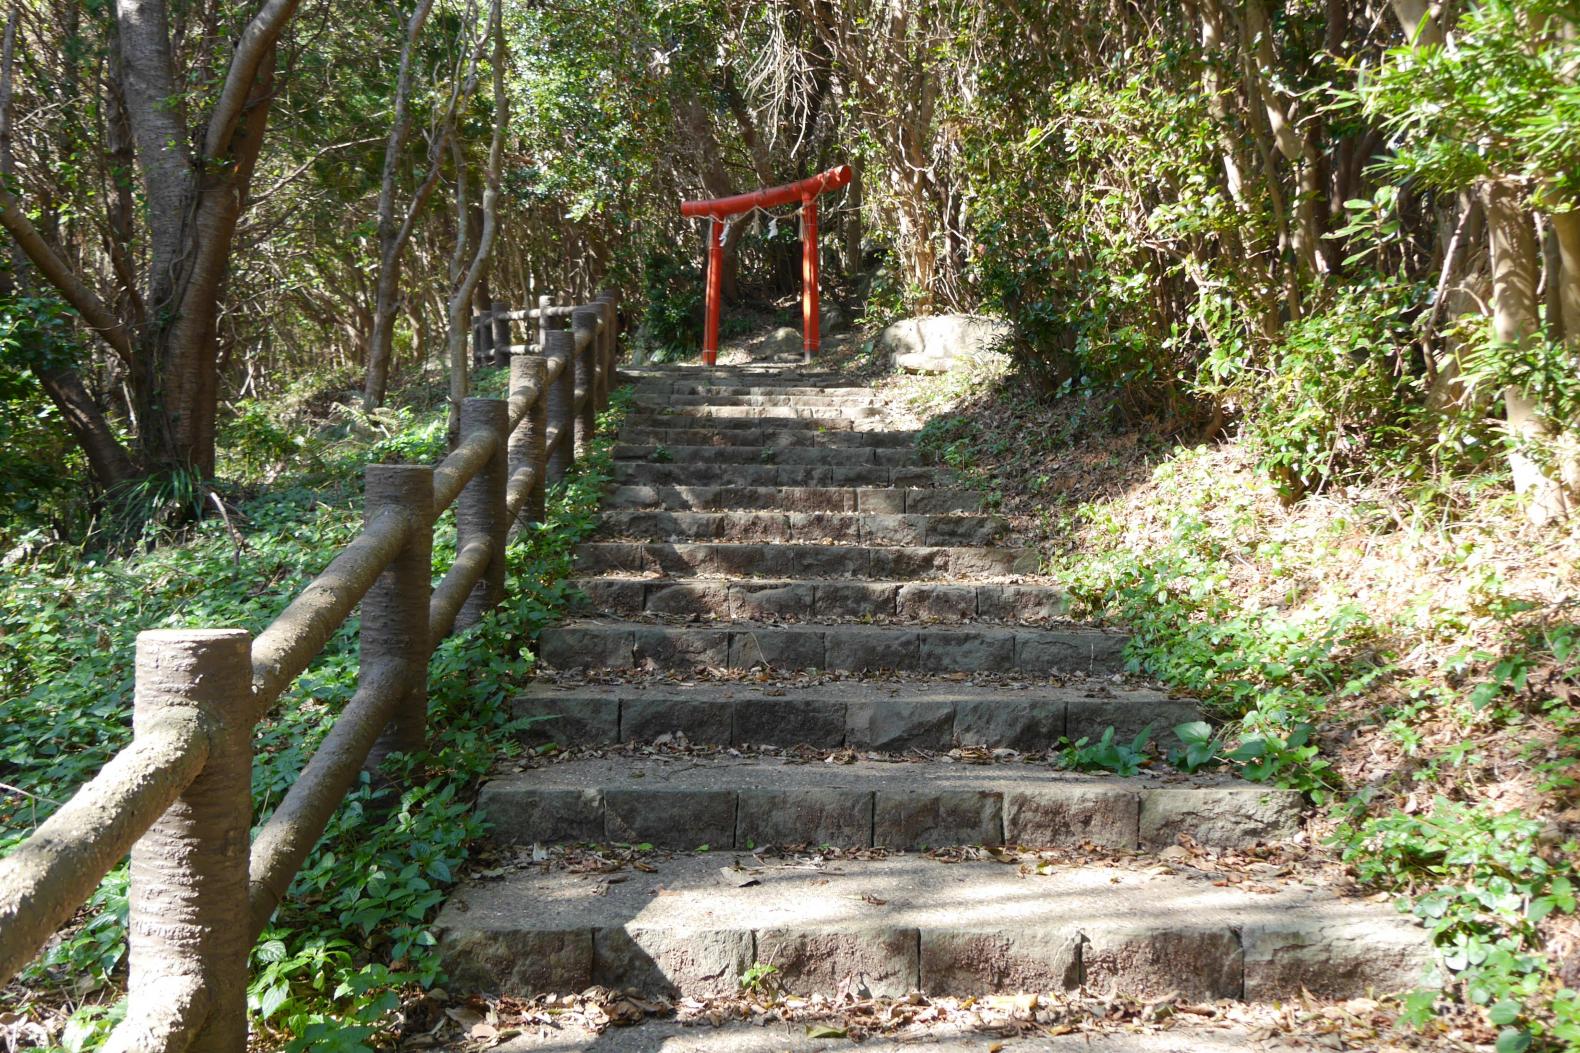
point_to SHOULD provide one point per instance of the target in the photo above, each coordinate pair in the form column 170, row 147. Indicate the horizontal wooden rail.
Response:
column 199, row 694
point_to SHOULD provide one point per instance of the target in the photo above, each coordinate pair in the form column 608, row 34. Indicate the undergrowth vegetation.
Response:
column 1408, row 655
column 329, row 970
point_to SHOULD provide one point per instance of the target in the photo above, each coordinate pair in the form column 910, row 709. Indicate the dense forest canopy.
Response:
column 1289, row 219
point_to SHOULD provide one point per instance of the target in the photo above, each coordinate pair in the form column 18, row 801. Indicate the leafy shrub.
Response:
column 672, row 317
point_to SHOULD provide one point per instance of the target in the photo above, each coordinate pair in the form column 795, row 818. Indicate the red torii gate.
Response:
column 718, row 209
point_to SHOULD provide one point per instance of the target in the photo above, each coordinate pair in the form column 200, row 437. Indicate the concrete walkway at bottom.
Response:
column 671, row 1037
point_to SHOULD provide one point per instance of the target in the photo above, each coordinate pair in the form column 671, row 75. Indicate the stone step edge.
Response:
column 891, row 725
column 747, row 560
column 889, row 500
column 872, row 529
column 766, row 438
column 868, row 476
column 827, row 600
column 772, row 456
column 625, row 645
column 909, row 818
column 1240, row 951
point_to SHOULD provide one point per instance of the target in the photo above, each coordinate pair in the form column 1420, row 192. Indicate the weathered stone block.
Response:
column 1090, row 717
column 585, row 647
column 897, row 725
column 1012, row 961
column 664, row 962
column 523, row 814
column 910, row 561
column 855, row 599
column 631, row 496
column 856, row 475
column 784, row 647
column 1026, row 724
column 609, row 557
column 767, row 601
column 937, row 501
column 816, row 499
column 752, row 526
column 516, row 962
column 569, row 721
column 951, row 651
column 701, row 720
column 1026, row 604
column 682, row 648
column 1197, row 963
column 915, row 819
column 819, row 815
column 688, row 598
column 789, row 722
column 814, row 527
column 1071, row 815
column 1088, row 651
column 1333, row 952
column 883, row 959
column 928, row 602
column 894, row 530
column 611, row 595
column 669, row 817
column 857, row 648
column 873, row 501
column 680, row 560
column 965, row 530
column 1225, row 817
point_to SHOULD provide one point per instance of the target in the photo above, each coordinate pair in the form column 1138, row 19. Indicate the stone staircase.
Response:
column 779, row 569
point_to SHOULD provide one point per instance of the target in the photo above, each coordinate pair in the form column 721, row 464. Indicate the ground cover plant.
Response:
column 353, row 934
column 1407, row 655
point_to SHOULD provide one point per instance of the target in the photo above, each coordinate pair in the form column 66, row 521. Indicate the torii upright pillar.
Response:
column 717, row 210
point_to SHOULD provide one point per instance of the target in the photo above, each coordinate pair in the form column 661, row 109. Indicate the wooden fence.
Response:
column 178, row 797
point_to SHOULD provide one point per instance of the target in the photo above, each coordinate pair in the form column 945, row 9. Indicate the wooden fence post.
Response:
column 394, row 630
column 526, row 442
column 501, row 333
column 585, row 320
column 608, row 301
column 187, row 933
column 480, row 510
column 561, row 404
column 482, row 340
column 546, row 324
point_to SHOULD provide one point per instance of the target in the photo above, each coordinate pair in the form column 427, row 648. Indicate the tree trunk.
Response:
column 392, row 237
column 1516, row 270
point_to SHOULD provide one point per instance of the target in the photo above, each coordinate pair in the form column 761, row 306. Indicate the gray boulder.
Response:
column 782, row 341
column 940, row 343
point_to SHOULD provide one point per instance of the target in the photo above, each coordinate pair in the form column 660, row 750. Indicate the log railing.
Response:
column 178, row 796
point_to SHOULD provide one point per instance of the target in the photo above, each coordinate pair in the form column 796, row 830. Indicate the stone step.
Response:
column 946, row 1029
column 884, row 501
column 678, row 387
column 905, row 924
column 648, row 473
column 732, row 376
column 867, row 715
column 648, row 419
column 785, row 561
column 825, row 400
column 724, row 377
column 658, row 453
column 824, row 600
column 759, row 438
column 750, row 802
column 856, row 528
column 705, row 408
column 588, row 644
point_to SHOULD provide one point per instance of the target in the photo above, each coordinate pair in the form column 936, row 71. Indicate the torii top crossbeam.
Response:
column 718, row 209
